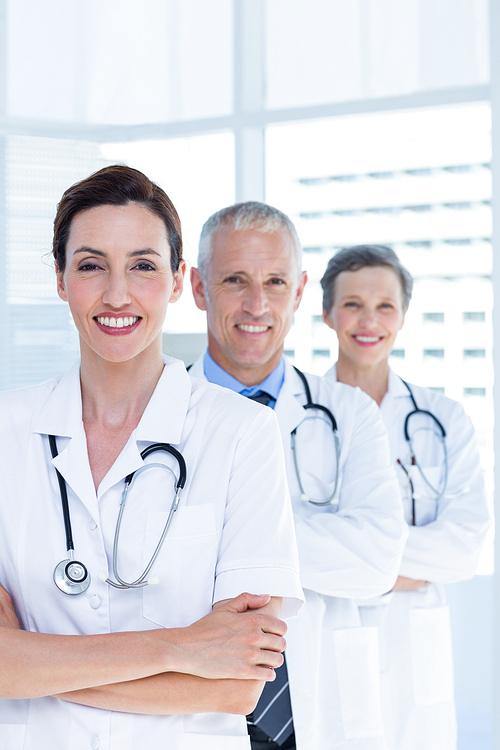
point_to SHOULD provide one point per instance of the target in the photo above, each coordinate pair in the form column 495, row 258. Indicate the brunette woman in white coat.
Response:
column 92, row 654
column 366, row 295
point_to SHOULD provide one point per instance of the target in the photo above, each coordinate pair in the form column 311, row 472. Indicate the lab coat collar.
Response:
column 162, row 422
column 289, row 409
column 395, row 387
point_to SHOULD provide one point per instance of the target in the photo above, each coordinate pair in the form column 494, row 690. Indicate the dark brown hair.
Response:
column 116, row 185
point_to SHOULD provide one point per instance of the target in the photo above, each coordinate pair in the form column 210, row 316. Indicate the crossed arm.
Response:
column 220, row 663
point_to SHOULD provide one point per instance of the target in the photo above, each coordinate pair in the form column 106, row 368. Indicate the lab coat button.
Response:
column 92, row 525
column 96, row 743
column 95, row 602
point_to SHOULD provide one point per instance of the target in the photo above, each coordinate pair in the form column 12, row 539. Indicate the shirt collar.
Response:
column 214, row 373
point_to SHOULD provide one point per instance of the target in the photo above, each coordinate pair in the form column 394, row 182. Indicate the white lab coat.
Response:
column 223, row 540
column 415, row 635
column 352, row 551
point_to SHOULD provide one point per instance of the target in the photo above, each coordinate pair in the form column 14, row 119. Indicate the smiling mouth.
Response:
column 252, row 329
column 368, row 339
column 124, row 322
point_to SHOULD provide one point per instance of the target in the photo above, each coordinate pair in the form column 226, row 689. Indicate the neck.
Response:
column 249, row 375
column 115, row 394
column 372, row 379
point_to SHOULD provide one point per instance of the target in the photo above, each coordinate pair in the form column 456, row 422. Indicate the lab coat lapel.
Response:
column 391, row 403
column 61, row 415
column 288, row 407
column 162, row 422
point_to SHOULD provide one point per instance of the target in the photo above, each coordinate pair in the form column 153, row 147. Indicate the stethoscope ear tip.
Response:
column 153, row 581
column 102, row 577
column 304, row 497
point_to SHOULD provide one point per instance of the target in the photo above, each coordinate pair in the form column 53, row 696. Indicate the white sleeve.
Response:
column 355, row 552
column 258, row 549
column 447, row 549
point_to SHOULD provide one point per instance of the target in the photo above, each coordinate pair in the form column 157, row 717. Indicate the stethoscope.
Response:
column 332, row 499
column 70, row 575
column 438, row 494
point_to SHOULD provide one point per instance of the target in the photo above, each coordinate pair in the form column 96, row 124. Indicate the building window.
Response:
column 289, row 353
column 475, row 392
column 321, row 353
column 399, row 353
column 476, row 317
column 433, row 317
column 475, row 353
column 437, row 389
column 434, row 353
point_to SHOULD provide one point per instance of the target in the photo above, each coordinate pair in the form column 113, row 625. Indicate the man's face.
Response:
column 253, row 288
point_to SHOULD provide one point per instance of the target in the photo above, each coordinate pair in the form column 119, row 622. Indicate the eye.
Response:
column 387, row 305
column 145, row 265
column 351, row 304
column 88, row 266
column 232, row 280
column 277, row 281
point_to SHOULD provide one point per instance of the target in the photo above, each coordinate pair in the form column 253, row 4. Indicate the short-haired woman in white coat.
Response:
column 366, row 292
column 124, row 625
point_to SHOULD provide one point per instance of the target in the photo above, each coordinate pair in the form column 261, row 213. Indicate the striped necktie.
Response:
column 273, row 713
column 261, row 397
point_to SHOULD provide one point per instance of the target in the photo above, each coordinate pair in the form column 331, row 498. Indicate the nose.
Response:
column 116, row 293
column 255, row 301
column 368, row 317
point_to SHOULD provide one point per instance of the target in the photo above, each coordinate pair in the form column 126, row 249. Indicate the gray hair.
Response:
column 362, row 256
column 248, row 215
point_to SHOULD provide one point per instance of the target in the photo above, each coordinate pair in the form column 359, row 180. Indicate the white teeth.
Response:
column 252, row 329
column 367, row 339
column 117, row 322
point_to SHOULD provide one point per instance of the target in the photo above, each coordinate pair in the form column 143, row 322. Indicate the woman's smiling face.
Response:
column 118, row 280
column 367, row 313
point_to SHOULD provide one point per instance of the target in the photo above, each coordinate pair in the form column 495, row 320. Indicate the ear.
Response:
column 300, row 290
column 61, row 289
column 198, row 289
column 178, row 282
column 328, row 320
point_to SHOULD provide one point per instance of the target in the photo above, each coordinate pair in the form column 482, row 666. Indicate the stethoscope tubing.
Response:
column 416, row 410
column 332, row 499
column 62, row 575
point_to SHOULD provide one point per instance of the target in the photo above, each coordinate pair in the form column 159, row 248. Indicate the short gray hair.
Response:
column 248, row 215
column 362, row 256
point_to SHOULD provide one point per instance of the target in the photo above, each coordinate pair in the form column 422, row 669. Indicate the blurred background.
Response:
column 364, row 120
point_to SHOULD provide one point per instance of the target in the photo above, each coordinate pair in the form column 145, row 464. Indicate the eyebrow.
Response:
column 133, row 254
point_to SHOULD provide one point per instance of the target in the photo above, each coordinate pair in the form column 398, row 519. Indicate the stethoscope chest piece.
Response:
column 72, row 577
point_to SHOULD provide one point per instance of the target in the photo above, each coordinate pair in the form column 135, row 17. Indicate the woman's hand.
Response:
column 408, row 584
column 8, row 616
column 232, row 642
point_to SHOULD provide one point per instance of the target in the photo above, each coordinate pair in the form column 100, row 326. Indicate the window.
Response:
column 476, row 317
column 475, row 392
column 321, row 353
column 475, row 353
column 433, row 317
column 399, row 353
column 434, row 353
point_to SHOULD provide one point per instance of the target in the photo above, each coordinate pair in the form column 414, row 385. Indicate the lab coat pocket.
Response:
column 426, row 507
column 185, row 566
column 431, row 655
column 358, row 674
